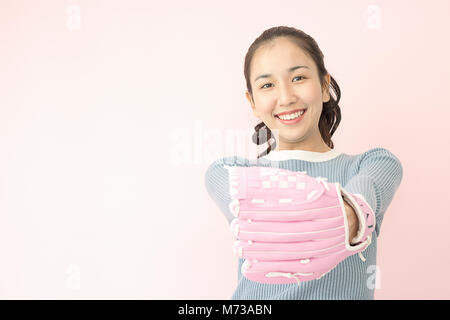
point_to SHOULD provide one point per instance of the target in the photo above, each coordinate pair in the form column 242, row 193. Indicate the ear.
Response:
column 326, row 91
column 252, row 104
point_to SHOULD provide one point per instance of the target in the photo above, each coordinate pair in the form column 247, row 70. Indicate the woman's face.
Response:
column 278, row 87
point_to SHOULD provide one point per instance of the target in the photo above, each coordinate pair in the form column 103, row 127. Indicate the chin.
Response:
column 292, row 137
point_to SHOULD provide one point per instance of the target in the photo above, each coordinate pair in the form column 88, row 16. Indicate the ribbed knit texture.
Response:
column 375, row 174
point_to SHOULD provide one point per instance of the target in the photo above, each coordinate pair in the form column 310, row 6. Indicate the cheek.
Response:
column 310, row 94
column 266, row 106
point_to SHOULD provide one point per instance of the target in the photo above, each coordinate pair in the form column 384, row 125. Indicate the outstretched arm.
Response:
column 376, row 181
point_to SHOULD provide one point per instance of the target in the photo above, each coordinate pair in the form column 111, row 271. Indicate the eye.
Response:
column 300, row 77
column 264, row 86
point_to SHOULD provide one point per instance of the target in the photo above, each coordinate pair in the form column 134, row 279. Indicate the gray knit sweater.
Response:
column 375, row 174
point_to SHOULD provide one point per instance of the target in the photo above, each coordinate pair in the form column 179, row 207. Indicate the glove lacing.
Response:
column 369, row 241
column 322, row 180
column 294, row 275
column 288, row 275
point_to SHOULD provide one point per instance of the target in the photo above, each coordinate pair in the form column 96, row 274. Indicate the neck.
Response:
column 302, row 154
column 322, row 147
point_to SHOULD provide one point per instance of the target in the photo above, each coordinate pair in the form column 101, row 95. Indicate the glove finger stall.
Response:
column 288, row 250
column 288, row 231
column 319, row 263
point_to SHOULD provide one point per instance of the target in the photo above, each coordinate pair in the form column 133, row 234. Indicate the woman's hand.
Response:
column 352, row 219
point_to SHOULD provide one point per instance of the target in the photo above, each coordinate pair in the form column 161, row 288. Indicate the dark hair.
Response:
column 331, row 113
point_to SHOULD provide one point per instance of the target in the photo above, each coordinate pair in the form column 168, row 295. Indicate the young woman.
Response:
column 288, row 88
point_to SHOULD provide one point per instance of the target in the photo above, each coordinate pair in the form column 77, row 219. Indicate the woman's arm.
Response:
column 217, row 182
column 378, row 177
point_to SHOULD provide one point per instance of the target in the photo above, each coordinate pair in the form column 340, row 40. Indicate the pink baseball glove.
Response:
column 291, row 227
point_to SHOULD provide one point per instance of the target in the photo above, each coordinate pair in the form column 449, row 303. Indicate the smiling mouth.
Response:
column 291, row 111
column 291, row 115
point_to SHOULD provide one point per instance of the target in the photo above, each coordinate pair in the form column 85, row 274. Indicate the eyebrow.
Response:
column 290, row 70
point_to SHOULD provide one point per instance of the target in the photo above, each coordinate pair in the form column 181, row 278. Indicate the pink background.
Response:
column 95, row 96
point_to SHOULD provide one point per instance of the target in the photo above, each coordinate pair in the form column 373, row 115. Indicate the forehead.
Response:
column 277, row 56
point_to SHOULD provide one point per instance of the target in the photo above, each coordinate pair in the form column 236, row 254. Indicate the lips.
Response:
column 292, row 121
column 289, row 112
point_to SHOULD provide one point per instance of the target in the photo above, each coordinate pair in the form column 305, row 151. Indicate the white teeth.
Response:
column 292, row 116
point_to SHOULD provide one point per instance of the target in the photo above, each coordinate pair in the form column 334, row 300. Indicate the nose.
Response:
column 286, row 95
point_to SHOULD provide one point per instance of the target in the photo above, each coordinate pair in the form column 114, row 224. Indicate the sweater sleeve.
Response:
column 217, row 185
column 377, row 179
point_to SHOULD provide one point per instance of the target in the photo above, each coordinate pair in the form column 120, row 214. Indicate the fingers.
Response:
column 287, row 213
column 273, row 231
column 276, row 273
column 286, row 271
column 289, row 250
